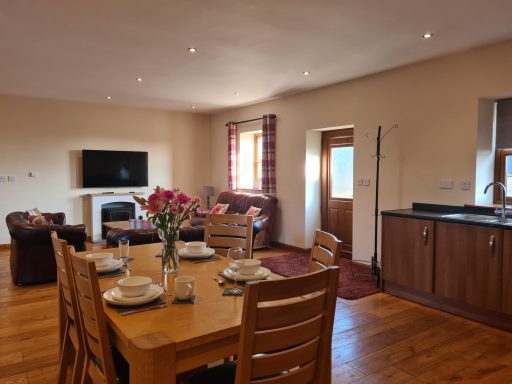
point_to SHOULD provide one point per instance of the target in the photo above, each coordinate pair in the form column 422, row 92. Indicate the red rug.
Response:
column 355, row 279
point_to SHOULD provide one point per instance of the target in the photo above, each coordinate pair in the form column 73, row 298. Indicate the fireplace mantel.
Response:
column 92, row 210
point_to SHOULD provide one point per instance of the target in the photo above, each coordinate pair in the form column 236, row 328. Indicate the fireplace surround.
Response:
column 102, row 207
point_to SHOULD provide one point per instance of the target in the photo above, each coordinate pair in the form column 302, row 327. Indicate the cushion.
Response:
column 33, row 212
column 219, row 209
column 253, row 211
column 40, row 219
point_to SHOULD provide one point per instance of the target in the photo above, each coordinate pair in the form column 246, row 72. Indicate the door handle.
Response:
column 491, row 241
column 425, row 235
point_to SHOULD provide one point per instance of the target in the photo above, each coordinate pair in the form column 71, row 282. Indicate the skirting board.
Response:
column 290, row 247
column 5, row 246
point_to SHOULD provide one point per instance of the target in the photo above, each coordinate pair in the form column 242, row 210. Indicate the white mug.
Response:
column 184, row 287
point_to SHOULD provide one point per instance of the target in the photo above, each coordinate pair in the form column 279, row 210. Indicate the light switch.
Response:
column 446, row 184
column 359, row 181
column 3, row 179
column 366, row 182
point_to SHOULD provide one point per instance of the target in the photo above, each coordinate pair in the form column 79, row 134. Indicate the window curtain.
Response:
column 268, row 159
column 231, row 156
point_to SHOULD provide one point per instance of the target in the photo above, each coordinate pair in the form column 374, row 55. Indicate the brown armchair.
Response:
column 32, row 259
column 239, row 203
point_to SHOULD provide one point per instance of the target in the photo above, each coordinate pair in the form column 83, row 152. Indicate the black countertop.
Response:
column 482, row 216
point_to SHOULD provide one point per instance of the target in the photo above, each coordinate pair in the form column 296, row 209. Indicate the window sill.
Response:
column 249, row 190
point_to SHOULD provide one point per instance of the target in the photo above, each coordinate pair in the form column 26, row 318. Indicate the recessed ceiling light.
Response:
column 192, row 50
column 139, row 79
column 306, row 73
column 109, row 97
column 428, row 35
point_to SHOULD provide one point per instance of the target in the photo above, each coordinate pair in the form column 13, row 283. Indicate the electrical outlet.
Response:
column 465, row 185
column 3, row 179
column 11, row 179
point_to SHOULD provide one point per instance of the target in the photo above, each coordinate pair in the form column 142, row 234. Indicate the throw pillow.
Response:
column 38, row 220
column 33, row 212
column 253, row 211
column 219, row 209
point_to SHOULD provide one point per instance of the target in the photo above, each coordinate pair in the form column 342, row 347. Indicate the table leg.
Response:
column 152, row 359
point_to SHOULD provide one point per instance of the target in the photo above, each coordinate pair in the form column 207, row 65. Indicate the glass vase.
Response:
column 170, row 258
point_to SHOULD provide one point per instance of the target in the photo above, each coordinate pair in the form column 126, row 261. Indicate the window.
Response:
column 503, row 173
column 249, row 160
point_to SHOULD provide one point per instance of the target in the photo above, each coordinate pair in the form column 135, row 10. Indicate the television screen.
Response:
column 114, row 168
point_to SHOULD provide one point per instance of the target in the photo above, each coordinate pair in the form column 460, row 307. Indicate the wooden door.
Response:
column 469, row 263
column 337, row 186
column 408, row 252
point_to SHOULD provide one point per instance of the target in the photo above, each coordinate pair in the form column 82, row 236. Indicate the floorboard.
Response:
column 378, row 339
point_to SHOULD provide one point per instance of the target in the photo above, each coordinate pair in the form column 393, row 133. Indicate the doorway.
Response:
column 337, row 186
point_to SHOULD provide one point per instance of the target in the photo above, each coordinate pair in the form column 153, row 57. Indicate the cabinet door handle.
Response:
column 425, row 234
column 491, row 241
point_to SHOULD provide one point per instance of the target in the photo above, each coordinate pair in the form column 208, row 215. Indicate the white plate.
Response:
column 113, row 296
column 196, row 255
column 262, row 274
column 112, row 266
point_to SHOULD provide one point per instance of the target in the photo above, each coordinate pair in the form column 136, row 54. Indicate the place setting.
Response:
column 197, row 252
column 135, row 291
column 106, row 265
column 241, row 270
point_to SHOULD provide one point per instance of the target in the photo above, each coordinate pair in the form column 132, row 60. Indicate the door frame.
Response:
column 325, row 188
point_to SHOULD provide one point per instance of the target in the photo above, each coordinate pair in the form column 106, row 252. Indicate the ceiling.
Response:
column 86, row 50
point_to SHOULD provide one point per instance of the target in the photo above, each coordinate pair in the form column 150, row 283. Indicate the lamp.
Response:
column 208, row 191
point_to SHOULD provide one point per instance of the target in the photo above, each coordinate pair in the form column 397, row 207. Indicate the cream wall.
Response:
column 436, row 104
column 47, row 136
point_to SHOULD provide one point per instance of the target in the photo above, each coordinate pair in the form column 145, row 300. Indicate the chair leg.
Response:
column 67, row 356
column 86, row 379
column 79, row 366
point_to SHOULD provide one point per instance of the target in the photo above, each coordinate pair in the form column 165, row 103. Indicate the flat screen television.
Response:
column 114, row 168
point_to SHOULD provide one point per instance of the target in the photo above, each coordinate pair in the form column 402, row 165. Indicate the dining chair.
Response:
column 224, row 231
column 71, row 339
column 286, row 332
column 99, row 359
column 325, row 251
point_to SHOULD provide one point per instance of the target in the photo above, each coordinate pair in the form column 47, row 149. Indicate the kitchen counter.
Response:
column 482, row 216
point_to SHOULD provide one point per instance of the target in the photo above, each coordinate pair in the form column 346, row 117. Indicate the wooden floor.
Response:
column 379, row 339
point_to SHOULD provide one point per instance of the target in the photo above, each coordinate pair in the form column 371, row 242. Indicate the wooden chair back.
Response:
column 99, row 366
column 286, row 329
column 325, row 251
column 227, row 231
column 70, row 327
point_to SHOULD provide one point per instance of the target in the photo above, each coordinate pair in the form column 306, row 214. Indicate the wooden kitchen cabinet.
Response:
column 506, row 290
column 408, row 252
column 468, row 264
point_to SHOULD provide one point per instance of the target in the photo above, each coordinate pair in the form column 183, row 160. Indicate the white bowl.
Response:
column 134, row 286
column 195, row 246
column 250, row 267
column 100, row 259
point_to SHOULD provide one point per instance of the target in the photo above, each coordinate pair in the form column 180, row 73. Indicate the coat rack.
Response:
column 375, row 262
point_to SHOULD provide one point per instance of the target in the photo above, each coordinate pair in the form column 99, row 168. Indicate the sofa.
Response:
column 32, row 259
column 239, row 203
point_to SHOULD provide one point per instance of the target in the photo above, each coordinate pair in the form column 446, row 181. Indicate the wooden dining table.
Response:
column 160, row 343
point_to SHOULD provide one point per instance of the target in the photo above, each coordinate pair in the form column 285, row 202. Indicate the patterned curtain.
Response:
column 268, row 160
column 231, row 156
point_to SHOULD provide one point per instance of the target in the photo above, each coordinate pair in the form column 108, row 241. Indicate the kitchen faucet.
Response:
column 503, row 213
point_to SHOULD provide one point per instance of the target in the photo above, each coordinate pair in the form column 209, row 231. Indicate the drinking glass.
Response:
column 235, row 258
column 124, row 251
